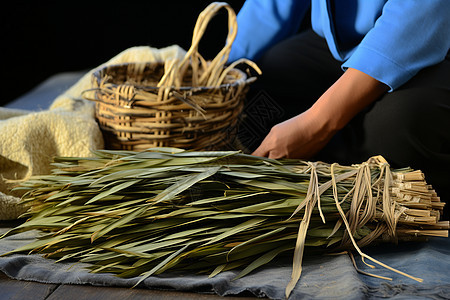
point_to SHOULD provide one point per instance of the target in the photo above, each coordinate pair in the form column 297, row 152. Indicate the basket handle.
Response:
column 212, row 71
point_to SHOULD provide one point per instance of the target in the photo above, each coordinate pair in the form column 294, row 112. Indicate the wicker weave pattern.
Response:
column 190, row 104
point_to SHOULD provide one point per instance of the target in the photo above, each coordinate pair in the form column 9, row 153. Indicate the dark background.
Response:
column 42, row 38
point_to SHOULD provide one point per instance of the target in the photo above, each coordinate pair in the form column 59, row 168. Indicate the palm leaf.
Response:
column 143, row 213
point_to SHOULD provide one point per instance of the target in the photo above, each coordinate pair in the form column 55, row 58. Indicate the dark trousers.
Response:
column 408, row 127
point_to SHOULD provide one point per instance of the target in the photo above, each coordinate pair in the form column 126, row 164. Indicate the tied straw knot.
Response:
column 363, row 209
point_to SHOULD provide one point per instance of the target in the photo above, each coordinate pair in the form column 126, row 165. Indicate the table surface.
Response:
column 15, row 289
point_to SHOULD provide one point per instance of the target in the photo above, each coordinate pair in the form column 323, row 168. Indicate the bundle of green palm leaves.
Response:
column 142, row 213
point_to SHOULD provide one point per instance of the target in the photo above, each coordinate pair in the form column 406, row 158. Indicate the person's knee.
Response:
column 405, row 125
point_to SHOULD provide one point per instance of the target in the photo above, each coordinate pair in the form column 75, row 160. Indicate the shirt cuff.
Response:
column 378, row 66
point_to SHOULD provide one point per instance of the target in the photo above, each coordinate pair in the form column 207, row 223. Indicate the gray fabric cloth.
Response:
column 42, row 96
column 323, row 277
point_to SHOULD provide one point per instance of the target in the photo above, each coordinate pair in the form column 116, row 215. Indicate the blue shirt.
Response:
column 390, row 40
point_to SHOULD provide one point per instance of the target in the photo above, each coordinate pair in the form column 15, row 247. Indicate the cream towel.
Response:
column 29, row 140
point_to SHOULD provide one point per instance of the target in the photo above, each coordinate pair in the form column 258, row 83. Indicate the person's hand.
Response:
column 299, row 137
column 306, row 134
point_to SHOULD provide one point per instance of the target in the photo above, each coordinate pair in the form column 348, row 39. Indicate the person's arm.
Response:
column 304, row 135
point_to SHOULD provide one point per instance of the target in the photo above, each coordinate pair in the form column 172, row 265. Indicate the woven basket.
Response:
column 189, row 103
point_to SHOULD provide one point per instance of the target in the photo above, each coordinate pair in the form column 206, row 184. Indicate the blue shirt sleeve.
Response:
column 408, row 36
column 262, row 23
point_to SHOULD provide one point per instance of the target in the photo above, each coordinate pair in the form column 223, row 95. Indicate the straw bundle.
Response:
column 190, row 103
column 143, row 213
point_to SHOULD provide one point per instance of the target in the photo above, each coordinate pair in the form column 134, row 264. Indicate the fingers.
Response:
column 264, row 151
column 261, row 151
column 268, row 147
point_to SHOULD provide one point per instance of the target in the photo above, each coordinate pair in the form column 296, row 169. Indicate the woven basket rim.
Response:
column 243, row 78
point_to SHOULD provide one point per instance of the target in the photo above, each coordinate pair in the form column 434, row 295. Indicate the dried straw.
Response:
column 143, row 213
